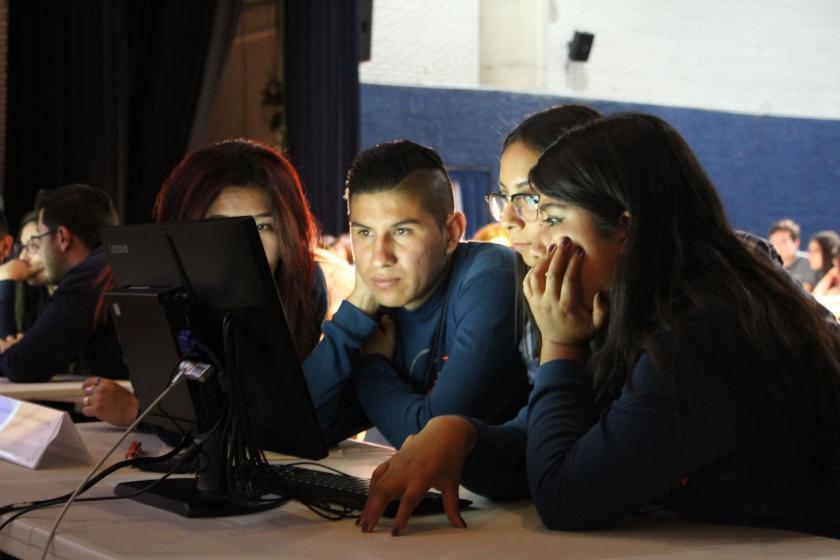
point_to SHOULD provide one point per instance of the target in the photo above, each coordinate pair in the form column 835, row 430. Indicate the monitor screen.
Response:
column 202, row 288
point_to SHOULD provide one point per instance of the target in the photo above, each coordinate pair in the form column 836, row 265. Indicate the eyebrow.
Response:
column 255, row 216
column 557, row 205
column 410, row 221
column 519, row 184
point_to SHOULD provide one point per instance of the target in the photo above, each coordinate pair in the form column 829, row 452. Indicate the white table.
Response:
column 125, row 529
column 56, row 391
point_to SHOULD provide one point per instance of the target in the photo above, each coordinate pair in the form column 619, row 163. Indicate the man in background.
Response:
column 785, row 237
column 68, row 329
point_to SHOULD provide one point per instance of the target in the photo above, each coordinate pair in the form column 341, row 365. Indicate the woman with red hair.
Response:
column 239, row 178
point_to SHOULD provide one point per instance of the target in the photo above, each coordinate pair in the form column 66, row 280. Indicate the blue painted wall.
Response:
column 765, row 168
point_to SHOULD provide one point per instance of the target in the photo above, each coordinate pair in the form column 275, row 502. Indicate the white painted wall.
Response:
column 776, row 57
column 513, row 43
column 424, row 42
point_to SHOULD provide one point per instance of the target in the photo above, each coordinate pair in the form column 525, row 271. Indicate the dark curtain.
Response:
column 109, row 93
column 65, row 94
column 322, row 84
column 472, row 185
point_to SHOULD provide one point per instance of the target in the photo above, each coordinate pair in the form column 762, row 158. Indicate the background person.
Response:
column 829, row 285
column 339, row 274
column 68, row 244
column 785, row 237
column 6, row 240
column 492, row 233
column 821, row 247
column 24, row 289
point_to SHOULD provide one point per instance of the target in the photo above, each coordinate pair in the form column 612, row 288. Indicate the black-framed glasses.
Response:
column 525, row 205
column 34, row 242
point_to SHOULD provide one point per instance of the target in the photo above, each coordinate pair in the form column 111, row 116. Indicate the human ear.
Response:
column 456, row 225
column 623, row 225
column 62, row 235
column 6, row 245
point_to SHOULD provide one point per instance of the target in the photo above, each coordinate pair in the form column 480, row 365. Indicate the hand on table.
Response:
column 108, row 401
column 434, row 458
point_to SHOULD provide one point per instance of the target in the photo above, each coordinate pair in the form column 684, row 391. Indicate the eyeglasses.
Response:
column 34, row 242
column 525, row 205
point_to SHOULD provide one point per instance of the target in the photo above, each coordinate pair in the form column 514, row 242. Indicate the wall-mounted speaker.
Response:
column 580, row 45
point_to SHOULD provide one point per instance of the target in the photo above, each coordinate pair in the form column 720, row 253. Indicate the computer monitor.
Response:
column 203, row 290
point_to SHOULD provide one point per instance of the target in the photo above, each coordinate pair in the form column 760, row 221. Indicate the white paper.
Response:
column 29, row 431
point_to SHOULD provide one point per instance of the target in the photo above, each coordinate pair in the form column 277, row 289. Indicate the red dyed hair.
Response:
column 199, row 179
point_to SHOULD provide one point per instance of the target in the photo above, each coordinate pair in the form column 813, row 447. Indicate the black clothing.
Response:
column 66, row 330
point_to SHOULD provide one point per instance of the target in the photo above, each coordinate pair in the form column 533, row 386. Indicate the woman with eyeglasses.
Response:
column 677, row 367
column 515, row 205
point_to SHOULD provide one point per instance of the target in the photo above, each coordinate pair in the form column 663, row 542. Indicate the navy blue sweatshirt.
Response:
column 8, row 325
column 66, row 330
column 475, row 370
column 710, row 456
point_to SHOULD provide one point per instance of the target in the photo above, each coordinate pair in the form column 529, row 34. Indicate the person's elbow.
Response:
column 496, row 492
column 17, row 372
column 559, row 514
column 16, row 376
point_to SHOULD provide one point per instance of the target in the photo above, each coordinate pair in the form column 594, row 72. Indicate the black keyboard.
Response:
column 342, row 490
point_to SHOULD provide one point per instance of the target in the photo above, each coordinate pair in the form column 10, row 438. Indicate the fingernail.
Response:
column 565, row 241
column 579, row 251
column 364, row 527
column 551, row 248
column 395, row 532
column 462, row 521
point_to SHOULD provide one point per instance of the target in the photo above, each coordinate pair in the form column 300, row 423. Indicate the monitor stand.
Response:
column 204, row 495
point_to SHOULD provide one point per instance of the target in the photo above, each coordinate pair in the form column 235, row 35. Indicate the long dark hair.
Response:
column 682, row 256
column 199, row 179
column 828, row 241
column 539, row 131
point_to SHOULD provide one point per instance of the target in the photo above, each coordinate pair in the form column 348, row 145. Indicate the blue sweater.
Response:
column 66, row 330
column 708, row 456
column 476, row 370
column 8, row 325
